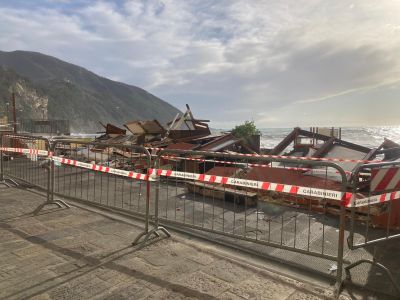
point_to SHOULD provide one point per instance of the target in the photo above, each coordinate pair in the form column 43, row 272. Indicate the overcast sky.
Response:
column 279, row 63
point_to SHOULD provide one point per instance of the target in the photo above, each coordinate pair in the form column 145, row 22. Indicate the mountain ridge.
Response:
column 80, row 95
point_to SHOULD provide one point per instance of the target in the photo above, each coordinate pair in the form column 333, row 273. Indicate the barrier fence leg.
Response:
column 50, row 190
column 339, row 274
column 5, row 181
column 374, row 263
column 148, row 233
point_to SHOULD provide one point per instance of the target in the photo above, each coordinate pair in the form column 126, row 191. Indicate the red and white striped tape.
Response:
column 291, row 157
column 348, row 199
column 373, row 199
column 72, row 162
column 26, row 151
column 311, row 170
column 104, row 169
column 261, row 185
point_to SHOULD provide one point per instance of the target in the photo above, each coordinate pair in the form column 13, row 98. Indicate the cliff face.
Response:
column 48, row 87
column 31, row 101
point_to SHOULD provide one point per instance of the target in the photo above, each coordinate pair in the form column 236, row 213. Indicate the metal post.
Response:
column 5, row 181
column 147, row 219
column 14, row 112
column 146, row 233
column 339, row 275
column 156, row 200
column 50, row 183
column 52, row 173
column 1, row 161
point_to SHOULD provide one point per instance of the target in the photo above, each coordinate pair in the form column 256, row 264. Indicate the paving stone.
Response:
column 205, row 283
column 229, row 296
column 303, row 296
column 6, row 236
column 24, row 284
column 127, row 291
column 227, row 271
column 13, row 245
column 58, row 234
column 29, row 251
column 64, row 268
column 169, row 295
column 33, row 229
column 44, row 296
column 262, row 288
column 112, row 277
column 80, row 288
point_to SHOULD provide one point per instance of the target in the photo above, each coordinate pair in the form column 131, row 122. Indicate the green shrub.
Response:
column 245, row 130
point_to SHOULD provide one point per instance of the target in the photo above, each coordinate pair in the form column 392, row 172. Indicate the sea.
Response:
column 366, row 136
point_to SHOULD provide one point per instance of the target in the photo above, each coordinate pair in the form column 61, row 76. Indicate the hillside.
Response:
column 75, row 93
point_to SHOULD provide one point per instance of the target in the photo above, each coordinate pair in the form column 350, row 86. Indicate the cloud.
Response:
column 230, row 60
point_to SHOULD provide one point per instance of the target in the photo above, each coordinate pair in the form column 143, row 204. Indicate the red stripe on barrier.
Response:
column 265, row 186
column 382, row 198
column 386, row 179
column 279, row 187
column 347, row 198
column 294, row 189
column 212, row 178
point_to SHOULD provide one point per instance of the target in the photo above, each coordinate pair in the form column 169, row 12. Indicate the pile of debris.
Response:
column 185, row 132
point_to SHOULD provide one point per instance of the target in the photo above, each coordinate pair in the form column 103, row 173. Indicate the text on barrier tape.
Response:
column 348, row 198
column 104, row 169
column 381, row 198
column 261, row 185
column 26, row 151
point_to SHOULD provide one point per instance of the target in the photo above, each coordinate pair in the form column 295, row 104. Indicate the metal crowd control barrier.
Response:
column 110, row 175
column 277, row 202
column 378, row 199
column 5, row 155
column 234, row 196
column 20, row 161
column 25, row 158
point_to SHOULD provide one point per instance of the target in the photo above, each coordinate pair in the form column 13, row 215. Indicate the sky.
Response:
column 279, row 63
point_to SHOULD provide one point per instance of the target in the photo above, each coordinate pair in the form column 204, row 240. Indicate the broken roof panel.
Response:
column 152, row 127
column 181, row 146
column 112, row 129
column 220, row 143
column 144, row 127
column 338, row 151
column 224, row 171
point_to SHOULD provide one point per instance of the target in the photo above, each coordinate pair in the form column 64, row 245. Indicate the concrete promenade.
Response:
column 80, row 254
